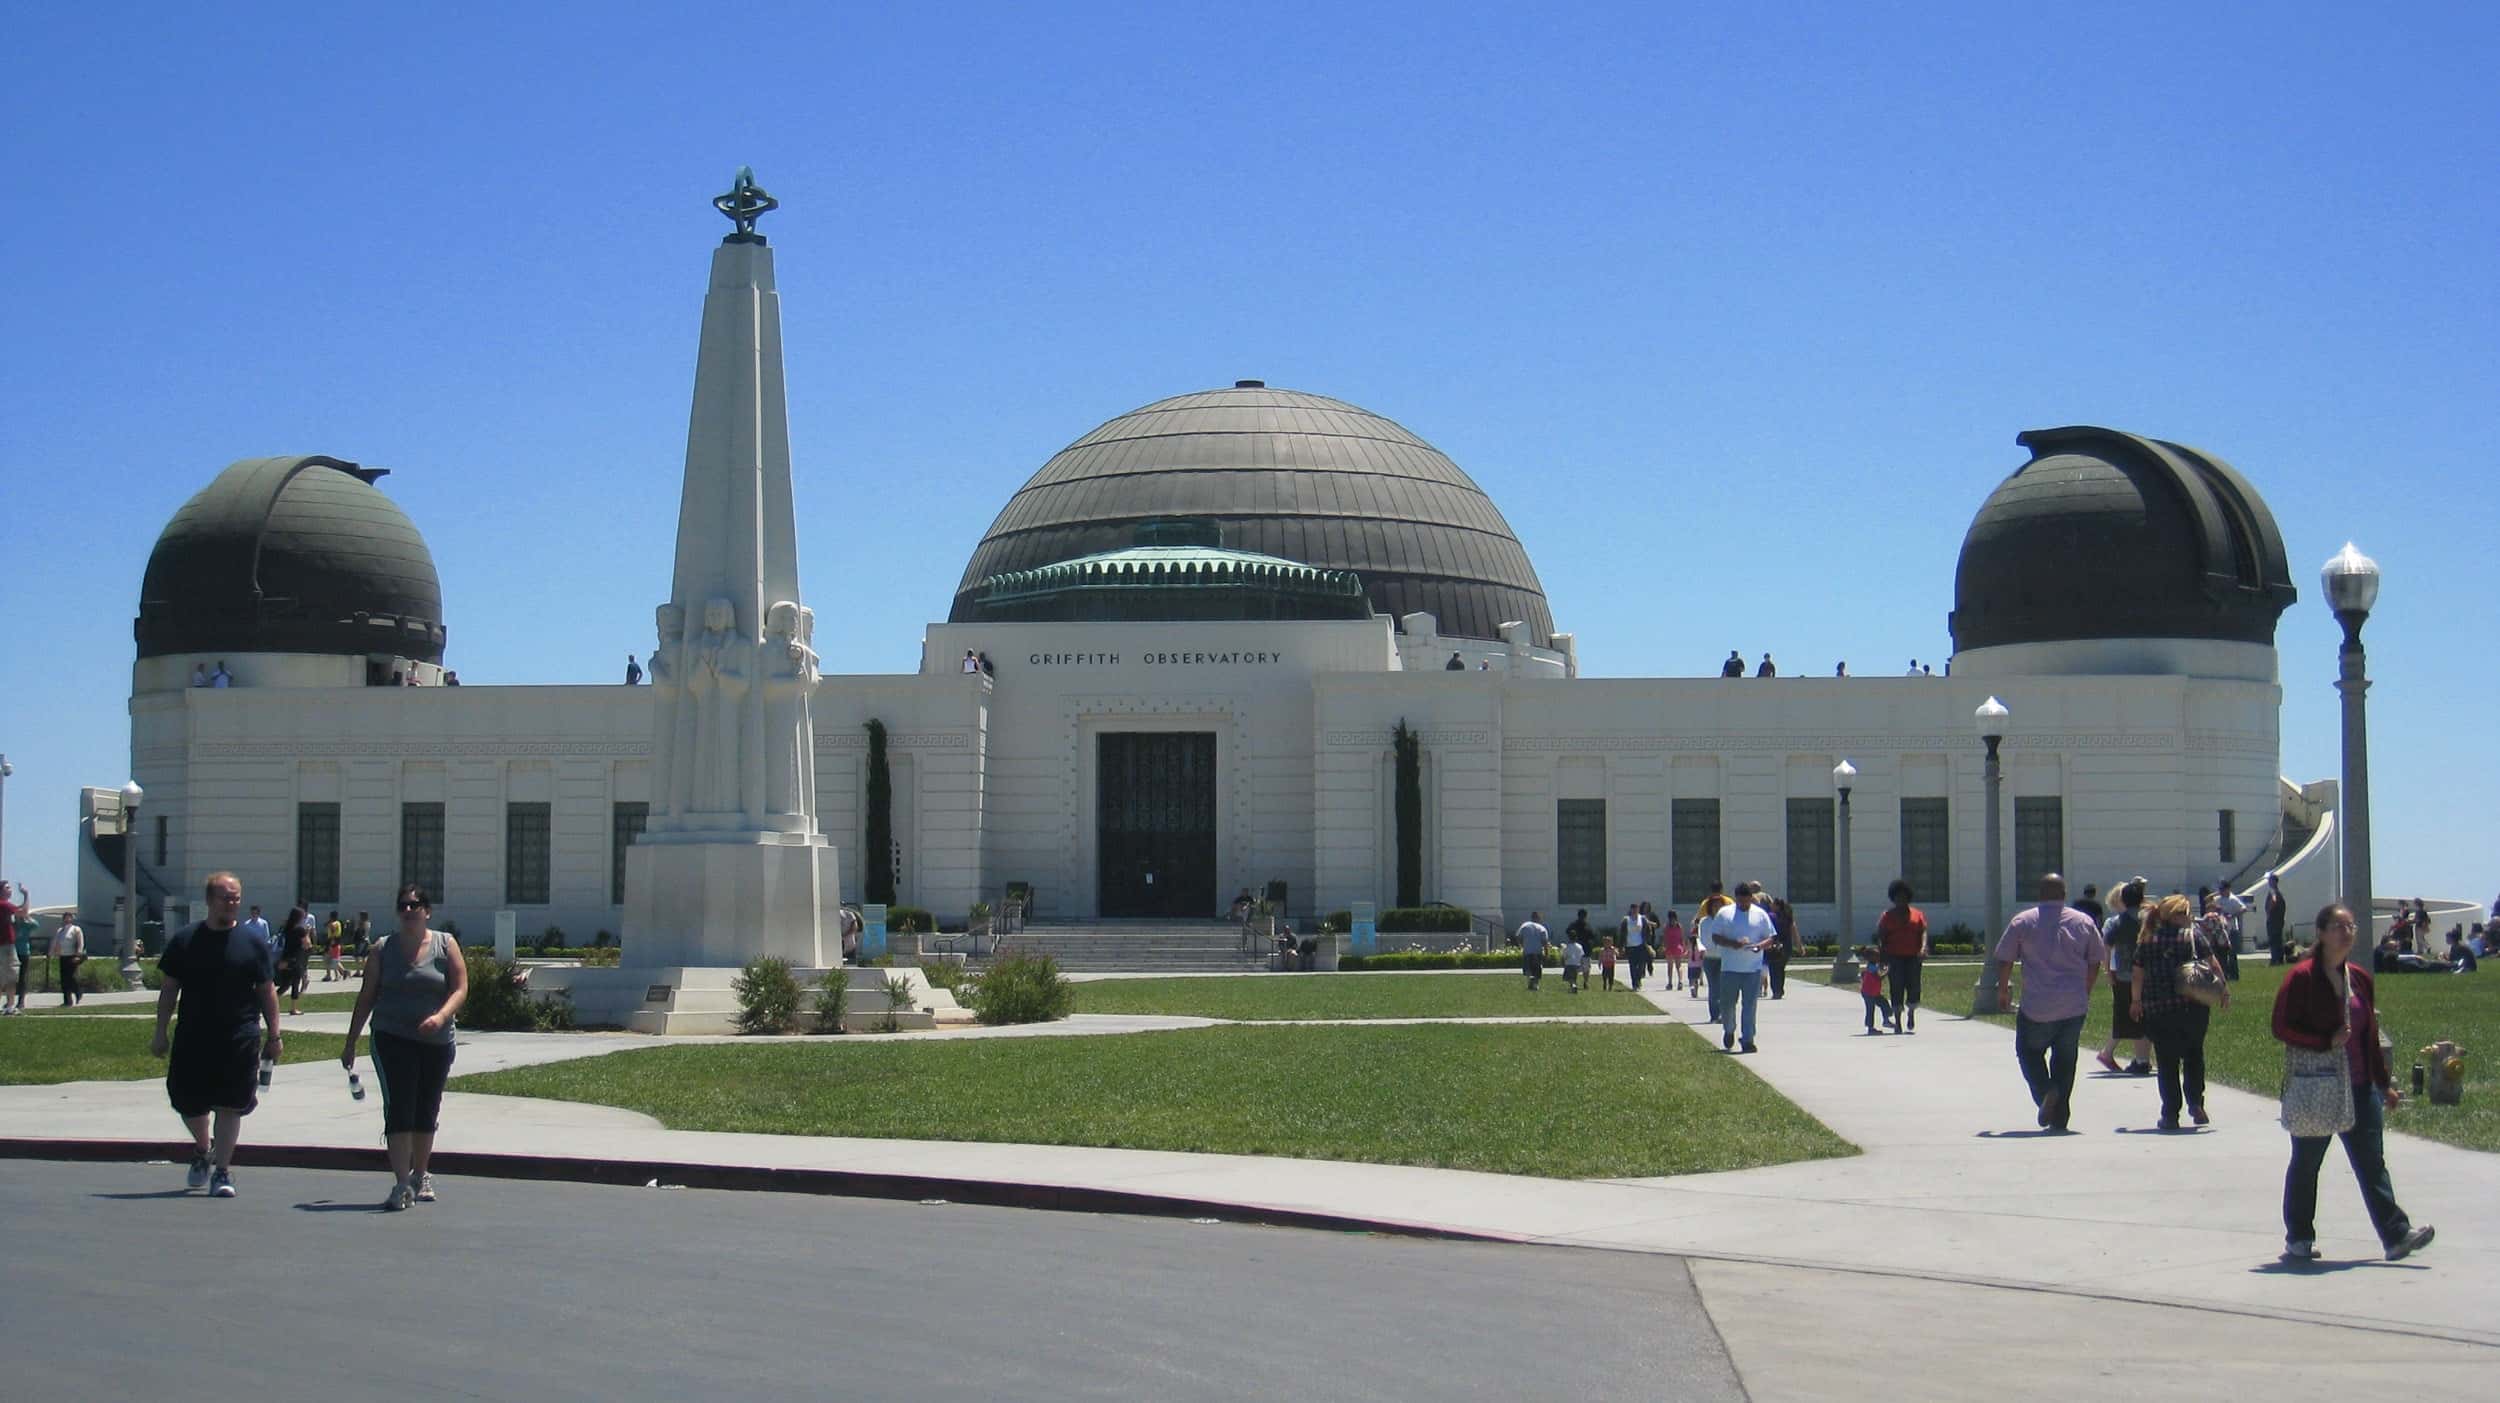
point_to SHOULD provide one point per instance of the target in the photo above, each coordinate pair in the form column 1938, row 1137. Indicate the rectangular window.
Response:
column 624, row 826
column 421, row 848
column 1696, row 834
column 160, row 840
column 1927, row 849
column 2230, row 839
column 527, row 853
column 1580, row 851
column 2039, row 842
column 1812, row 833
column 317, row 851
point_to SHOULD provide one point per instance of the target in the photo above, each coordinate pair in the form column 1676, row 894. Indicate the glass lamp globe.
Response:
column 2351, row 581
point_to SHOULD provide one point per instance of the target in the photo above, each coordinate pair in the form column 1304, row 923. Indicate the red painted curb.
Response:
column 838, row 1183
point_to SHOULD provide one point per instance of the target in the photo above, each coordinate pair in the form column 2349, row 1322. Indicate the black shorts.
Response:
column 214, row 1075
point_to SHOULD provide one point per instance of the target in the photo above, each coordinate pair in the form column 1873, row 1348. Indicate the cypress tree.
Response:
column 1410, row 814
column 880, row 819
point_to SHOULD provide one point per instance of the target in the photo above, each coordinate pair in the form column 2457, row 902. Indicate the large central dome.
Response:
column 1286, row 474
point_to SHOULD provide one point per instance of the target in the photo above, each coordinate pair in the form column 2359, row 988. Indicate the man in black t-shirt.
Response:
column 226, row 983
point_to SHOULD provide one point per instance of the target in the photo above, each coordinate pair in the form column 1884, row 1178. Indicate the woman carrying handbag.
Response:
column 2336, row 1082
column 2178, row 984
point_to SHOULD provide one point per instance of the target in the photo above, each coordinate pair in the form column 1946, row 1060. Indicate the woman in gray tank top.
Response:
column 415, row 982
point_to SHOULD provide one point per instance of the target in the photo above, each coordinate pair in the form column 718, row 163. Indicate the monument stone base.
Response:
column 722, row 901
column 665, row 999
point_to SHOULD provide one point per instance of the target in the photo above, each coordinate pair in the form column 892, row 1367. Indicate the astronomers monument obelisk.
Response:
column 731, row 864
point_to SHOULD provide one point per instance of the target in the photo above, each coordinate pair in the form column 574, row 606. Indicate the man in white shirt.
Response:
column 1636, row 943
column 258, row 928
column 1739, row 933
column 1532, row 939
column 2232, row 910
column 69, row 947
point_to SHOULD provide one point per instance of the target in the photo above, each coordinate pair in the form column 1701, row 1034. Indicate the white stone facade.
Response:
column 994, row 776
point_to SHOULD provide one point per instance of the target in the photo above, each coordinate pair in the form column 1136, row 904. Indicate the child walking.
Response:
column 1606, row 964
column 1671, row 949
column 1575, row 964
column 1871, row 989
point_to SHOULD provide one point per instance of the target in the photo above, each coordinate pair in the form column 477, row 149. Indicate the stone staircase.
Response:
column 1143, row 946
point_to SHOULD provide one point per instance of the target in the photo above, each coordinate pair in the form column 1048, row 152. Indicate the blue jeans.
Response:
column 1738, row 987
column 2046, row 1050
column 2366, row 1146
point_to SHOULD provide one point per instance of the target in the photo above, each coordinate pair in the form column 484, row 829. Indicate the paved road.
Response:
column 549, row 1291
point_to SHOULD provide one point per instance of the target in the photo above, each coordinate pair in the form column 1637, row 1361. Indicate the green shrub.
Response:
column 909, row 920
column 768, row 995
column 831, row 986
column 1020, row 987
column 1412, row 920
column 101, row 974
column 602, row 957
column 1442, row 959
column 943, row 974
column 500, row 1000
column 552, row 938
column 898, row 989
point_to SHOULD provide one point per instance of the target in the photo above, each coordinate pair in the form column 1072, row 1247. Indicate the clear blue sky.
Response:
column 1795, row 272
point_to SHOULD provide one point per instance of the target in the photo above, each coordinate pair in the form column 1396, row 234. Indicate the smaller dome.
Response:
column 291, row 555
column 2106, row 534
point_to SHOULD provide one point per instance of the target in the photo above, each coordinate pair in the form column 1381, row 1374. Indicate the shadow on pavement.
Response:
column 2058, row 1133
column 325, row 1205
column 159, row 1193
column 2321, row 1266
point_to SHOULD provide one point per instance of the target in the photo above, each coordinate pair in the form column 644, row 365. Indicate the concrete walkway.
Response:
column 1956, row 1189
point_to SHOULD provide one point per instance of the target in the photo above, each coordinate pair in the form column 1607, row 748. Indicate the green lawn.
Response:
column 40, row 1053
column 1267, row 998
column 1560, row 1102
column 2415, row 1009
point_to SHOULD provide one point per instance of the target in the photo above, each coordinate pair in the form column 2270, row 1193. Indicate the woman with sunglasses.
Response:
column 2325, row 1005
column 414, row 984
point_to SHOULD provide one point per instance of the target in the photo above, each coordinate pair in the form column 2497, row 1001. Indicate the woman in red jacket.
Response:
column 2326, row 1002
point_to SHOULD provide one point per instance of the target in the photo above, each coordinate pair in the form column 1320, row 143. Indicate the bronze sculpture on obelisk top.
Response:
column 732, row 864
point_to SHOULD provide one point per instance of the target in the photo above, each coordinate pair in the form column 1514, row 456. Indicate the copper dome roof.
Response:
column 1287, row 474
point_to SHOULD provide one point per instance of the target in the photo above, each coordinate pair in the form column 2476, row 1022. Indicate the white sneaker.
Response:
column 221, row 1185
column 198, row 1177
column 2300, row 1250
column 425, row 1188
column 399, row 1199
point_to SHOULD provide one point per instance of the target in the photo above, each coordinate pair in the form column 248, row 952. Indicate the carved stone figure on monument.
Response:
column 790, row 675
column 668, row 793
column 807, row 713
column 718, row 685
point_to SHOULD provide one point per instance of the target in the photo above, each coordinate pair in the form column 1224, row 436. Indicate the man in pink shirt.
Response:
column 2062, row 954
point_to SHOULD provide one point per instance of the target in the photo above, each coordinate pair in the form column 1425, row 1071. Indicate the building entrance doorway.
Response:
column 1154, row 807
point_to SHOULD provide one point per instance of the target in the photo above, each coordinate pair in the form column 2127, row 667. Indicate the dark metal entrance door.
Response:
column 1154, row 806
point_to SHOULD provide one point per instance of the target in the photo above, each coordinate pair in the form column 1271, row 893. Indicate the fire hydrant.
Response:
column 2446, row 1062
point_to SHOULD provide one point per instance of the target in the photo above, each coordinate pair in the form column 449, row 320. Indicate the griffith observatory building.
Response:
column 1203, row 620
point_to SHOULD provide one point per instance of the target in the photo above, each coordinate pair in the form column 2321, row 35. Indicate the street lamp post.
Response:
column 132, row 794
column 1992, row 716
column 1844, row 960
column 6, row 770
column 2351, row 581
